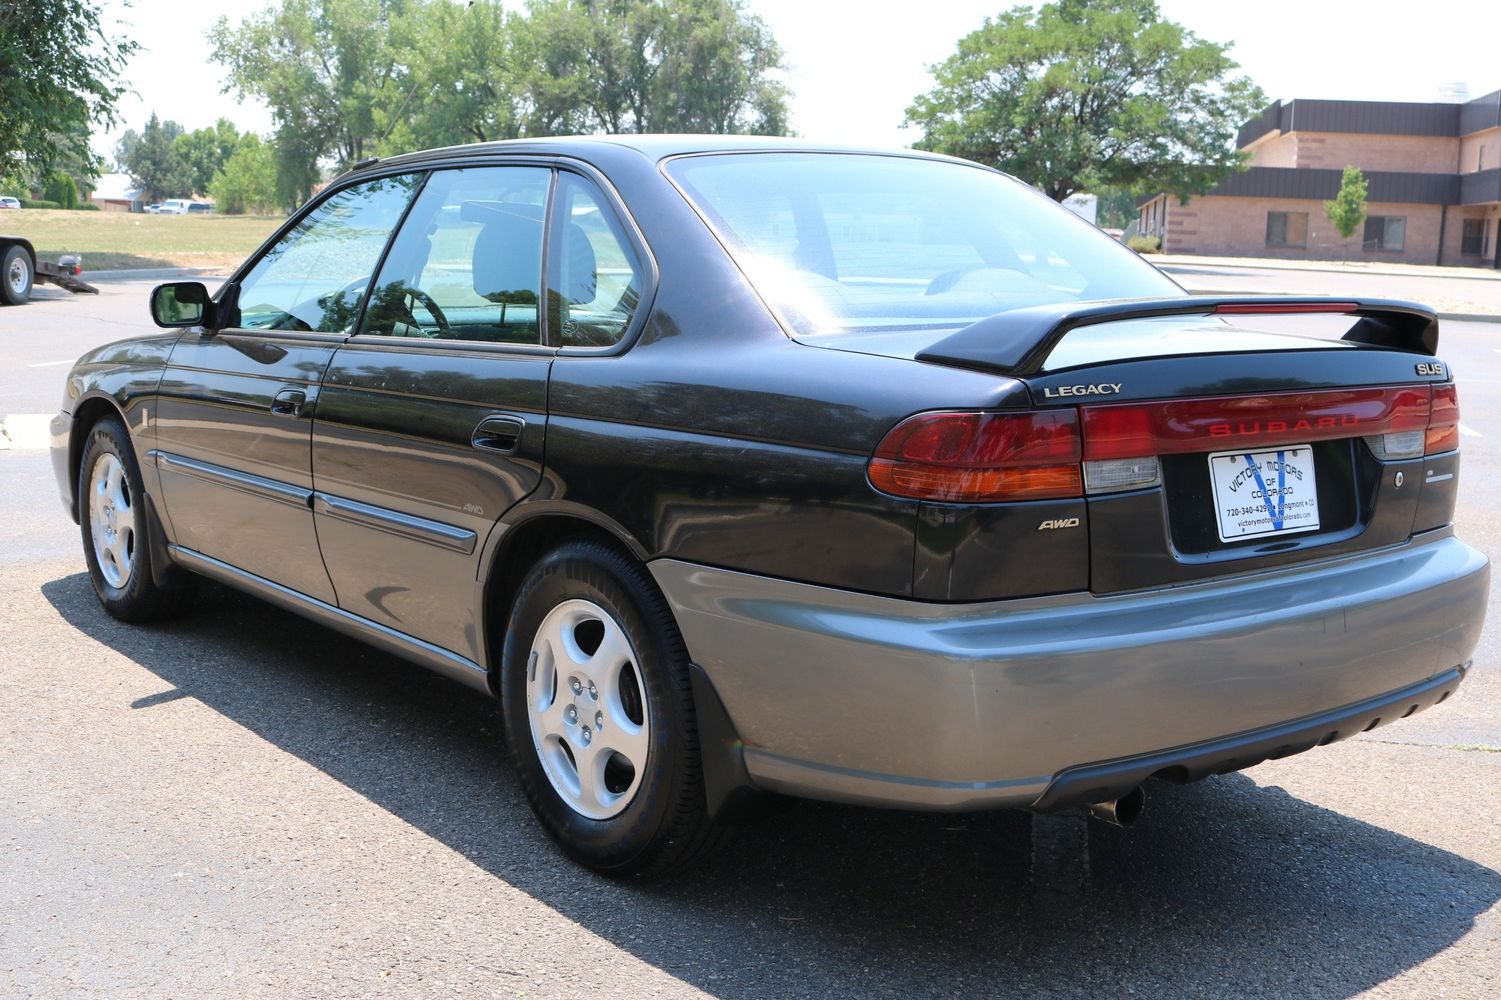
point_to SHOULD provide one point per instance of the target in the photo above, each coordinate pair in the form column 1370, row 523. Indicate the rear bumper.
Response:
column 1047, row 702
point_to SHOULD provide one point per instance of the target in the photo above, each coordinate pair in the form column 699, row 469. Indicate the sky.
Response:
column 854, row 66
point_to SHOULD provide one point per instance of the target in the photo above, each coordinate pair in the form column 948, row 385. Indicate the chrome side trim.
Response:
column 434, row 658
column 218, row 475
column 393, row 522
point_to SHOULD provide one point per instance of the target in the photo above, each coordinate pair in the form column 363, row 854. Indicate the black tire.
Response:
column 664, row 825
column 17, row 272
column 133, row 596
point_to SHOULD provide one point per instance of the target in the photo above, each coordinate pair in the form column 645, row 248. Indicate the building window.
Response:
column 1385, row 232
column 1472, row 240
column 1287, row 229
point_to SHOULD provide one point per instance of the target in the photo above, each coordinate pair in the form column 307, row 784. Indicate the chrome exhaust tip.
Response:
column 1122, row 811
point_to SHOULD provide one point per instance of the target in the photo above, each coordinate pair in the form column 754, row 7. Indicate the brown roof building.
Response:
column 1433, row 170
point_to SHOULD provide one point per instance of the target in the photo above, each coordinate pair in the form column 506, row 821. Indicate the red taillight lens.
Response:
column 1443, row 423
column 1282, row 308
column 981, row 457
column 1192, row 425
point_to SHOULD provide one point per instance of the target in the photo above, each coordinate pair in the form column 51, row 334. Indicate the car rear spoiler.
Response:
column 1017, row 342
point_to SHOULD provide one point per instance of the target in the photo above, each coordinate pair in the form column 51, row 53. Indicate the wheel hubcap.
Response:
column 19, row 274
column 112, row 520
column 587, row 709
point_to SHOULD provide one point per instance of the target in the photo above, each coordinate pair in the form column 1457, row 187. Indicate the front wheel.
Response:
column 112, row 514
column 599, row 714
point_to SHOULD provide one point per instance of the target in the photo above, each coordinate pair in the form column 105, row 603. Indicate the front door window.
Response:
column 316, row 275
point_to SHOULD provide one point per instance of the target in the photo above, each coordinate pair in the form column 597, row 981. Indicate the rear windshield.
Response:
column 854, row 243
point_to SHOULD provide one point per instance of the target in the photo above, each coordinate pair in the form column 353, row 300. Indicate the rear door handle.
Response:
column 500, row 434
column 289, row 403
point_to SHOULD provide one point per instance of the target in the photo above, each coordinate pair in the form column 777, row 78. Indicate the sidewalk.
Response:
column 1327, row 266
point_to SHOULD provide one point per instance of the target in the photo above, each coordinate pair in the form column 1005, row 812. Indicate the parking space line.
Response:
column 1469, row 431
column 51, row 364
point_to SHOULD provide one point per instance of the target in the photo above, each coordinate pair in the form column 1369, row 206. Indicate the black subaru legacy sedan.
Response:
column 740, row 467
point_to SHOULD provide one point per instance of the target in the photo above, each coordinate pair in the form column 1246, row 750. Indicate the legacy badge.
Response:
column 1102, row 389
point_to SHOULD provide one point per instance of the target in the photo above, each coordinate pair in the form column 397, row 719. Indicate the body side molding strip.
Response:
column 219, row 475
column 434, row 658
column 406, row 525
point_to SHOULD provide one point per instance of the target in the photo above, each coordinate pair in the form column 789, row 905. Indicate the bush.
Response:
column 35, row 203
column 61, row 189
column 1145, row 244
column 87, row 206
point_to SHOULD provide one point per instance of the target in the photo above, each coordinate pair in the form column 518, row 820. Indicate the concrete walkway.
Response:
column 1329, row 266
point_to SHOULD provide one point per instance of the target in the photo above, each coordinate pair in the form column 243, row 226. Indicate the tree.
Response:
column 1347, row 211
column 461, row 83
column 247, row 182
column 58, row 71
column 1090, row 92
column 61, row 189
column 651, row 66
column 204, row 152
column 154, row 165
column 124, row 147
column 323, row 67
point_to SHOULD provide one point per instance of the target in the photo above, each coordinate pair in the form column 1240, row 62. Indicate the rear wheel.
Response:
column 599, row 714
column 112, row 514
column 16, row 274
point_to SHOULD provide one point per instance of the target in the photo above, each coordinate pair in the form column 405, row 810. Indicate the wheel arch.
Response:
column 514, row 548
column 88, row 413
column 6, row 242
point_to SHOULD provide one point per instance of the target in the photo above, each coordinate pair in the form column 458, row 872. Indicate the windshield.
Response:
column 844, row 243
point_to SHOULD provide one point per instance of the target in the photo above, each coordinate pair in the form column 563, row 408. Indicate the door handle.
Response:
column 500, row 434
column 289, row 403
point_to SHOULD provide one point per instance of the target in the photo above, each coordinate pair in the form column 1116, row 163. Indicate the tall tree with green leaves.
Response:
column 59, row 71
column 1347, row 211
column 204, row 152
column 325, row 68
column 1079, row 93
column 460, row 77
column 651, row 66
column 247, row 181
column 154, row 165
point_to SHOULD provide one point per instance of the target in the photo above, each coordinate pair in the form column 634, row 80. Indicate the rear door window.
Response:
column 596, row 277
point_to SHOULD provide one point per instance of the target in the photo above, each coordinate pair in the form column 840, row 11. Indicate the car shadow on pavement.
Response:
column 1223, row 888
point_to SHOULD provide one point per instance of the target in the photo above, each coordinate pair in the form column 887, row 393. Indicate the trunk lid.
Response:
column 1243, row 437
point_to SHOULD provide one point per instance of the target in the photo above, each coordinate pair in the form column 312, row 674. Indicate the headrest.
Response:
column 507, row 251
column 579, row 281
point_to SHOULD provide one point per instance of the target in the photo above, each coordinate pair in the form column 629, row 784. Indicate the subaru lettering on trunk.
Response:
column 738, row 467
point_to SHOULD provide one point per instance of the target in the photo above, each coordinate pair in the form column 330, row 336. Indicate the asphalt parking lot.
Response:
column 244, row 804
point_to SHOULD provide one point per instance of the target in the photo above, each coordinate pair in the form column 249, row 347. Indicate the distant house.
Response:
column 1434, row 172
column 115, row 193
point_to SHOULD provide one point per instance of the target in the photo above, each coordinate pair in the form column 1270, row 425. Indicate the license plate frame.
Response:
column 1265, row 493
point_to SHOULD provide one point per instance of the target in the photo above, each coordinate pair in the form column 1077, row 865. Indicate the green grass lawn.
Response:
column 110, row 241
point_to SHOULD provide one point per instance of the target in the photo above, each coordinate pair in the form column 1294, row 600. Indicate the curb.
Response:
column 25, row 432
column 143, row 273
column 1465, row 273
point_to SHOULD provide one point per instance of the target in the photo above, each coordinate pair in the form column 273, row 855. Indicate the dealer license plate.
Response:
column 1261, row 493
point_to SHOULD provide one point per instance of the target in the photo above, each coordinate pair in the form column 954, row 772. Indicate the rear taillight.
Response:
column 981, row 457
column 1050, row 454
column 1443, row 422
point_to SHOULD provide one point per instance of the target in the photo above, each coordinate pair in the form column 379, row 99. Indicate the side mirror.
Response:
column 180, row 303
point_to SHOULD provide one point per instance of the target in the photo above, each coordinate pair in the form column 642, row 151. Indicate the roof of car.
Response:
column 653, row 147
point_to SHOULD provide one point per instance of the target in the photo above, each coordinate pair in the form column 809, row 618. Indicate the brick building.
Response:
column 1433, row 172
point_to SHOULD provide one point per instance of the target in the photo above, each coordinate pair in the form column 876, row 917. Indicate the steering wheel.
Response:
column 426, row 301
